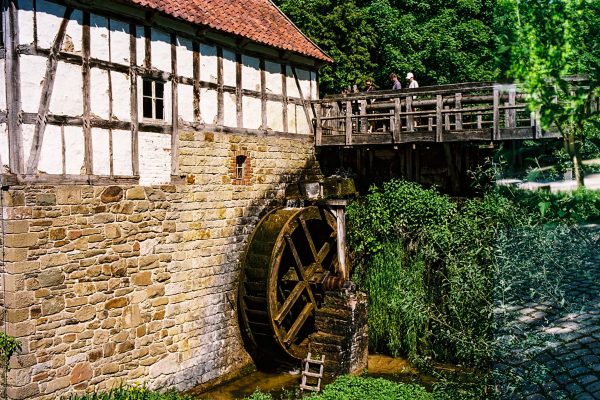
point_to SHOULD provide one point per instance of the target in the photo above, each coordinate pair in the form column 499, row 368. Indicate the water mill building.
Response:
column 140, row 143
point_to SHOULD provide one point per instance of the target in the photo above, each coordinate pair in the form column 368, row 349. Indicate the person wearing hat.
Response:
column 412, row 83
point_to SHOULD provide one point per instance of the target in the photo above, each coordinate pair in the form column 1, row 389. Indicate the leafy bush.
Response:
column 8, row 345
column 362, row 388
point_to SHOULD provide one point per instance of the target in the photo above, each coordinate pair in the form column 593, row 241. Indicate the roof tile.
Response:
column 257, row 20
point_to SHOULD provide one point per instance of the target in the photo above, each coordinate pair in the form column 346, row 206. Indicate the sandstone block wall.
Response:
column 107, row 285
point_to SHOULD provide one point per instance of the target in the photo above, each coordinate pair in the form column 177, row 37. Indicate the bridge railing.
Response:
column 462, row 112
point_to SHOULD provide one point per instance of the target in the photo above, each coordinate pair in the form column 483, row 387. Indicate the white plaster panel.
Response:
column 25, row 17
column 155, row 158
column 301, row 122
column 140, row 45
column 101, row 151
column 33, row 69
column 185, row 57
column 48, row 16
column 292, row 118
column 185, row 102
column 72, row 42
column 99, row 96
column 51, row 152
column 4, row 157
column 304, row 78
column 208, row 63
column 99, row 37
column 229, row 110
column 229, row 74
column 252, row 112
column 74, row 150
column 121, row 96
column 275, row 116
column 67, row 94
column 314, row 86
column 27, row 131
column 161, row 50
column 292, row 89
column 208, row 106
column 121, row 152
column 2, row 87
column 273, row 77
column 119, row 42
column 251, row 73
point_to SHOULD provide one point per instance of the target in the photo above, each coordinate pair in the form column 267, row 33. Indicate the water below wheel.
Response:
column 291, row 254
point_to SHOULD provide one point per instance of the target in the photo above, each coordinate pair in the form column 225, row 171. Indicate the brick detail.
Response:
column 247, row 174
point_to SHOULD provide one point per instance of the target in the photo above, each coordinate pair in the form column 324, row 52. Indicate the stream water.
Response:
column 395, row 369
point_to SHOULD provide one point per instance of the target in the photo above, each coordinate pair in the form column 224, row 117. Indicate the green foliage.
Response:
column 361, row 388
column 131, row 393
column 8, row 345
column 258, row 395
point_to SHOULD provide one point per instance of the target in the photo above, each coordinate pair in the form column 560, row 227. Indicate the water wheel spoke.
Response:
column 323, row 252
column 299, row 266
column 305, row 275
column 290, row 301
column 311, row 244
column 304, row 314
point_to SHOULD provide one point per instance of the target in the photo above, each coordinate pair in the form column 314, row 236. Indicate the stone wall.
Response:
column 119, row 284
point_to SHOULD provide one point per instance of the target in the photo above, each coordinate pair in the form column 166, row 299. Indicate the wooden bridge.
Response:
column 470, row 112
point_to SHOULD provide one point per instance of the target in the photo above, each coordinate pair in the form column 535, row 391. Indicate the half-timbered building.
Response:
column 140, row 141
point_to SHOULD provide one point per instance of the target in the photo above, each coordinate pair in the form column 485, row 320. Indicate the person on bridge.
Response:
column 412, row 82
column 396, row 82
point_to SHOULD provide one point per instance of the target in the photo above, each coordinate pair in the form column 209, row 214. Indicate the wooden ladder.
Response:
column 307, row 373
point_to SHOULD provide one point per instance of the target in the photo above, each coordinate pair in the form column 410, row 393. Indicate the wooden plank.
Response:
column 304, row 102
column 196, row 82
column 220, row 101
column 284, row 95
column 458, row 106
column 496, row 112
column 468, row 135
column 133, row 99
column 263, row 94
column 299, row 323
column 13, row 87
column 515, row 133
column 348, row 122
column 363, row 114
column 238, row 90
column 446, row 118
column 397, row 131
column 438, row 118
column 87, row 107
column 47, row 87
column 174, row 109
column 511, row 115
column 147, row 47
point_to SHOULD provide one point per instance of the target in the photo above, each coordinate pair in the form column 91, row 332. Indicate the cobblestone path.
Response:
column 551, row 349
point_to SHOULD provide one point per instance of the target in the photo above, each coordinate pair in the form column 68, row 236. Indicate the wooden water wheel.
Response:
column 291, row 255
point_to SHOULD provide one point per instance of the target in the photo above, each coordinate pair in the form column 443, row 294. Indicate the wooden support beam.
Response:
column 305, row 105
column 147, row 47
column 285, row 98
column 133, row 99
column 239, row 112
column 410, row 121
column 174, row 109
column 87, row 96
column 196, row 78
column 318, row 128
column 363, row 115
column 511, row 114
column 263, row 94
column 220, row 100
column 13, row 86
column 46, row 96
column 446, row 118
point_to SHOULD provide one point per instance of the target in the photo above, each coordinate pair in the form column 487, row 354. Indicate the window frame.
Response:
column 153, row 99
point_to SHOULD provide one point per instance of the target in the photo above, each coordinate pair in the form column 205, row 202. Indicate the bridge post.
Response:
column 348, row 122
column 458, row 107
column 438, row 118
column 318, row 128
column 496, row 111
column 397, row 122
column 409, row 118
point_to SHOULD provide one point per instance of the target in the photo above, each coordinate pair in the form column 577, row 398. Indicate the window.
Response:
column 154, row 99
column 240, row 167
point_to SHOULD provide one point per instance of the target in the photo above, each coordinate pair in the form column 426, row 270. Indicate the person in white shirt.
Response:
column 412, row 83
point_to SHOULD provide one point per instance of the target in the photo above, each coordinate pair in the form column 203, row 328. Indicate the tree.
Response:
column 554, row 54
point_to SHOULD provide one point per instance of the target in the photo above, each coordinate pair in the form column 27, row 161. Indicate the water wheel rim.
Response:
column 286, row 337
